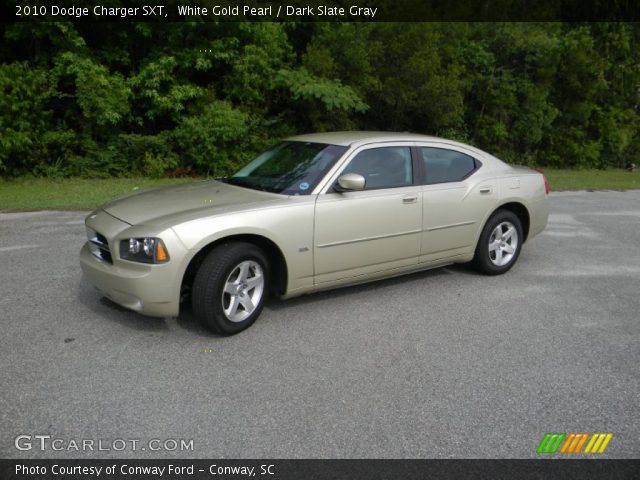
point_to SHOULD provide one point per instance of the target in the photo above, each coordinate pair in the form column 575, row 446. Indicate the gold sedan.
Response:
column 314, row 212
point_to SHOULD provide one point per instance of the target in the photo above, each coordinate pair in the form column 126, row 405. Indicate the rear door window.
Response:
column 442, row 165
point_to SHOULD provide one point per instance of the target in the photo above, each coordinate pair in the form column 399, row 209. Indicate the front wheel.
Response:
column 230, row 287
column 499, row 244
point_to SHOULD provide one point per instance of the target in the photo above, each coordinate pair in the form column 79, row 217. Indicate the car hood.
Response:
column 153, row 207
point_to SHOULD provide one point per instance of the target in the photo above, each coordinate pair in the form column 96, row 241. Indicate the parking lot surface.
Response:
column 444, row 363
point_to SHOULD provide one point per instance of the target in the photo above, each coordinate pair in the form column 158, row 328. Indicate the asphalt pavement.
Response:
column 440, row 364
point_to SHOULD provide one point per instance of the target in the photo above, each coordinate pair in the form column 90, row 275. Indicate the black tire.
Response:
column 486, row 261
column 209, row 300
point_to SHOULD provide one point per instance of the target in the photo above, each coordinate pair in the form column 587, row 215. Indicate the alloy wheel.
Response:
column 503, row 244
column 242, row 290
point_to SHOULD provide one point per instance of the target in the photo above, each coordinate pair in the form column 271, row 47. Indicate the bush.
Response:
column 24, row 117
column 104, row 99
column 214, row 141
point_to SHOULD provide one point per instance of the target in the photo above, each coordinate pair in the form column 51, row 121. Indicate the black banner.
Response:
column 324, row 11
column 316, row 469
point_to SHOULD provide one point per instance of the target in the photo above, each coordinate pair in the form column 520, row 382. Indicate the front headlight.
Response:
column 145, row 250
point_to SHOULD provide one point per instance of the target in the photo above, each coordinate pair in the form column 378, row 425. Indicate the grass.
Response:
column 71, row 193
column 86, row 194
column 614, row 179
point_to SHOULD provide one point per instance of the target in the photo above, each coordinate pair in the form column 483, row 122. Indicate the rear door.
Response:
column 455, row 200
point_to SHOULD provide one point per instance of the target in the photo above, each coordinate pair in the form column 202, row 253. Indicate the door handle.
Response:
column 412, row 199
column 485, row 190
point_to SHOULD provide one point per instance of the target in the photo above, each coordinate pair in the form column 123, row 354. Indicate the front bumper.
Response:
column 151, row 289
column 147, row 292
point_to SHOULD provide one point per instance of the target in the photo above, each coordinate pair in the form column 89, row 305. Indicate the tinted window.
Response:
column 441, row 165
column 384, row 167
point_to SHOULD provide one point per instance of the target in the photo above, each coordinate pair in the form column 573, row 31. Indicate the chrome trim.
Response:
column 441, row 227
column 376, row 237
column 99, row 246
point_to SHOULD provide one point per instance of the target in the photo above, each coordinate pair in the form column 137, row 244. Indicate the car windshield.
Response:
column 290, row 168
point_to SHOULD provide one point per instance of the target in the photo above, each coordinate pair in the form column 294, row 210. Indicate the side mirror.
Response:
column 350, row 181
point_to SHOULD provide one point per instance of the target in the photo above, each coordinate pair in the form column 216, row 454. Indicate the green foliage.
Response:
column 330, row 93
column 157, row 91
column 149, row 155
column 24, row 117
column 117, row 99
column 214, row 140
column 317, row 104
column 261, row 49
column 101, row 96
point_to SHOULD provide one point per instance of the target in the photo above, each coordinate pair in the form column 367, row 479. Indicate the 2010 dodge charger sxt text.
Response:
column 314, row 212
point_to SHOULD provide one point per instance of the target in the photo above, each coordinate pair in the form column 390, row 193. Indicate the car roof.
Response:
column 362, row 137
column 358, row 138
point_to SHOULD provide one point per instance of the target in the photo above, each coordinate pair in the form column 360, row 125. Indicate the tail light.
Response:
column 546, row 181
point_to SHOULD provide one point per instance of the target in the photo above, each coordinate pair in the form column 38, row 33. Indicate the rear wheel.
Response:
column 499, row 244
column 230, row 287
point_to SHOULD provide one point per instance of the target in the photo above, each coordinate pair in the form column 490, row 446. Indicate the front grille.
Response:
column 99, row 246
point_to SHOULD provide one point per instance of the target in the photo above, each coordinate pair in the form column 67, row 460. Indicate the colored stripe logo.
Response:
column 556, row 442
column 598, row 443
column 550, row 442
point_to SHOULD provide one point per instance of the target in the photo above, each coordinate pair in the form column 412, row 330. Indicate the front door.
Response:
column 376, row 229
